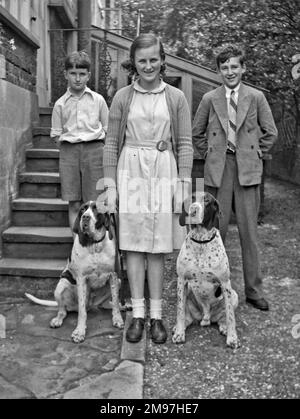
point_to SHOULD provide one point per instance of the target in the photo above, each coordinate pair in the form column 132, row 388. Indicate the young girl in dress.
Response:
column 148, row 155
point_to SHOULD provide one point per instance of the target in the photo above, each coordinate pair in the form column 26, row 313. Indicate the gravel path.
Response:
column 267, row 364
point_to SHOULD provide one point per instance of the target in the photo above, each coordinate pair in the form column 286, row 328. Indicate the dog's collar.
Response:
column 204, row 241
column 101, row 240
column 86, row 241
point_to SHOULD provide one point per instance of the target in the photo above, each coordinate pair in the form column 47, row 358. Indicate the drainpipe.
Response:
column 84, row 23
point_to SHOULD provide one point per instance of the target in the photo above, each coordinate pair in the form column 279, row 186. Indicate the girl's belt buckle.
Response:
column 162, row 145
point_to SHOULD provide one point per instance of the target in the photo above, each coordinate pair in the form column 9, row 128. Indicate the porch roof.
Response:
column 172, row 61
column 199, row 71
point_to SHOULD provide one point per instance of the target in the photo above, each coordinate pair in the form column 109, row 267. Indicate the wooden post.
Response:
column 138, row 26
column 2, row 327
column 84, row 25
column 2, row 67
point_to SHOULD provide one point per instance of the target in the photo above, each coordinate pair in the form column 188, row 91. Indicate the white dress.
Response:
column 147, row 177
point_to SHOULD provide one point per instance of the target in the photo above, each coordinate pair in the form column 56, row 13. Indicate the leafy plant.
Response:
column 5, row 41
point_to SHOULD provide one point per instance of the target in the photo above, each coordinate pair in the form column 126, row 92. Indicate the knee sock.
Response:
column 138, row 307
column 155, row 309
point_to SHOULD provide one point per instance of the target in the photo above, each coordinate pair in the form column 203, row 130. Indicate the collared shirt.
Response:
column 148, row 118
column 228, row 93
column 80, row 118
column 180, row 121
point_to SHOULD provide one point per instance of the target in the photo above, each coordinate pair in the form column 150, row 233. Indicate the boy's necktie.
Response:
column 231, row 140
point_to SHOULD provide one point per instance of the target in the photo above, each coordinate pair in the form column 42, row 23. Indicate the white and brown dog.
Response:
column 89, row 278
column 204, row 290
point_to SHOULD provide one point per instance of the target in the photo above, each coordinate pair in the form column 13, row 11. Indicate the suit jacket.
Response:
column 255, row 135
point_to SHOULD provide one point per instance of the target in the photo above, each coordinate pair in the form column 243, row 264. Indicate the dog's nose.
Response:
column 86, row 218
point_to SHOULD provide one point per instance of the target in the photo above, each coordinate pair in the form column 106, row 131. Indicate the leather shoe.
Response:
column 260, row 303
column 158, row 331
column 135, row 330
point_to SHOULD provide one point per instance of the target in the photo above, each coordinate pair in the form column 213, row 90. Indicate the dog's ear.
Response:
column 109, row 225
column 211, row 212
column 76, row 225
column 216, row 220
column 182, row 217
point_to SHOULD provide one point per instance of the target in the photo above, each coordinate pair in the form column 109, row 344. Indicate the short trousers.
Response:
column 80, row 168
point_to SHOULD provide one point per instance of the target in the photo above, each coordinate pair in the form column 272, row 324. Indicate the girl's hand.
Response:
column 57, row 142
column 182, row 195
column 108, row 201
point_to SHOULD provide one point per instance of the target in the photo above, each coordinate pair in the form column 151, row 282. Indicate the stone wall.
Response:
column 18, row 106
column 18, row 111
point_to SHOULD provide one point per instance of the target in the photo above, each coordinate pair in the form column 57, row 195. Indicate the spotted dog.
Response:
column 204, row 290
column 89, row 278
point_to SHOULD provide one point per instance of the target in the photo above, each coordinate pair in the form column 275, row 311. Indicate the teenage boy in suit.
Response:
column 233, row 128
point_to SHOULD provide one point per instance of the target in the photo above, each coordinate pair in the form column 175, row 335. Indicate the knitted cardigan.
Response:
column 180, row 130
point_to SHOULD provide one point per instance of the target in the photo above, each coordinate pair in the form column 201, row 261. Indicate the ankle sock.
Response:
column 138, row 307
column 155, row 309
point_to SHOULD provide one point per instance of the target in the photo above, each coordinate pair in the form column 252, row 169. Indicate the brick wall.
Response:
column 21, row 62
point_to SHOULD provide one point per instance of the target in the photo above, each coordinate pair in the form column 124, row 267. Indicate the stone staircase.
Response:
column 38, row 243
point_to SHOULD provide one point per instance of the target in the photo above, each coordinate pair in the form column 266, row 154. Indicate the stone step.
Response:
column 45, row 116
column 41, row 138
column 36, row 268
column 45, row 110
column 39, row 185
column 42, row 160
column 36, row 276
column 40, row 212
column 37, row 242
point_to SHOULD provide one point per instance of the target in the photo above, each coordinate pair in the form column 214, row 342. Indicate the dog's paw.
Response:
column 78, row 335
column 178, row 335
column 56, row 322
column 118, row 322
column 233, row 342
column 205, row 322
column 223, row 329
column 127, row 306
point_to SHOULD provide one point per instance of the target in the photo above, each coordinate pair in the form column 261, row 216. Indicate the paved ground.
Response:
column 39, row 362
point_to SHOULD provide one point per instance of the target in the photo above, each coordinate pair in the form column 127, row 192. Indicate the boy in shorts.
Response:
column 79, row 125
